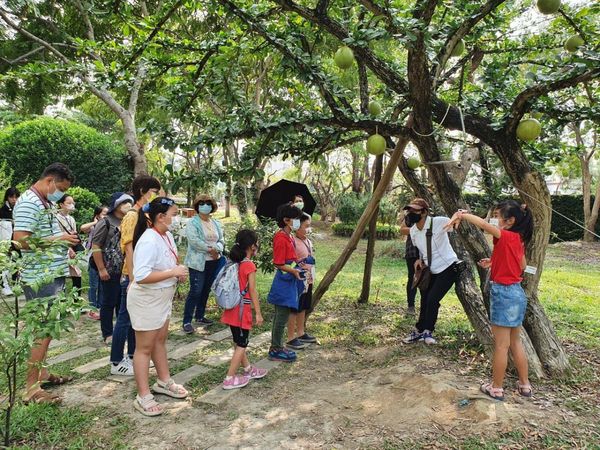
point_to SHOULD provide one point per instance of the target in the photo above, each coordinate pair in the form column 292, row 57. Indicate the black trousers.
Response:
column 411, row 294
column 430, row 299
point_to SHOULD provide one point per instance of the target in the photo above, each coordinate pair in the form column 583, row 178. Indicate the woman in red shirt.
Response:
column 245, row 247
column 507, row 299
column 284, row 292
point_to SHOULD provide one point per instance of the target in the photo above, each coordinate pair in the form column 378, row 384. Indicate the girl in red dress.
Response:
column 245, row 247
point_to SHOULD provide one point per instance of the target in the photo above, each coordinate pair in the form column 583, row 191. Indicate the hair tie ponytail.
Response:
column 146, row 208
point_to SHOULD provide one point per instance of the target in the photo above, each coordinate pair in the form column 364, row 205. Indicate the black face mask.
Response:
column 412, row 218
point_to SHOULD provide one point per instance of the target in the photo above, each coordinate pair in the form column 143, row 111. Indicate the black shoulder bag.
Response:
column 422, row 276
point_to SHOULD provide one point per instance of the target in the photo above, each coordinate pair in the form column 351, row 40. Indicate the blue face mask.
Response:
column 205, row 209
column 56, row 195
column 295, row 224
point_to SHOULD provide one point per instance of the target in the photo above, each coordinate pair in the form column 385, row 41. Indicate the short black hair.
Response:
column 59, row 172
column 142, row 184
column 287, row 211
column 304, row 217
column 11, row 192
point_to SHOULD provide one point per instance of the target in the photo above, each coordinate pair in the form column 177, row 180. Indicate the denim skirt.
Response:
column 507, row 305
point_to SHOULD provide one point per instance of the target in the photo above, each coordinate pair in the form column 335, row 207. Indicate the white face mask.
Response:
column 295, row 224
column 299, row 205
column 495, row 222
column 174, row 225
column 70, row 207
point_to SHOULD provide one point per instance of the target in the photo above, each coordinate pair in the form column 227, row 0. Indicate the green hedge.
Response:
column 562, row 230
column 384, row 232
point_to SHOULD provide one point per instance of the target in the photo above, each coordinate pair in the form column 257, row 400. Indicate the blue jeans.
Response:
column 123, row 331
column 200, row 284
column 111, row 300
column 95, row 290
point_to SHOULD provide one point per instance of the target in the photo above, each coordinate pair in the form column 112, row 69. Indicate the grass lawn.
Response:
column 568, row 291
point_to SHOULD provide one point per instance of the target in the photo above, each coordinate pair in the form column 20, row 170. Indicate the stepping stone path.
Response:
column 219, row 336
column 92, row 365
column 70, row 355
column 190, row 373
column 188, row 349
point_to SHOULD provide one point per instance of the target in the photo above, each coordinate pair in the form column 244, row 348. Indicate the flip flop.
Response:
column 41, row 396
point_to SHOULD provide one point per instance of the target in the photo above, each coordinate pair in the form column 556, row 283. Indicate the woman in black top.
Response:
column 10, row 198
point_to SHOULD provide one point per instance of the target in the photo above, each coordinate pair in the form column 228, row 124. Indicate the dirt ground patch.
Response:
column 330, row 398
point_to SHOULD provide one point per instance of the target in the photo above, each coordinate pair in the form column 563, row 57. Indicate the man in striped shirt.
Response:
column 35, row 216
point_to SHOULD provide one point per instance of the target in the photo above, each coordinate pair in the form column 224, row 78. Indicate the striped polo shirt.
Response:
column 32, row 216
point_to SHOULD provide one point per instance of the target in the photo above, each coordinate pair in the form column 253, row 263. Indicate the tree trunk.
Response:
column 135, row 150
column 366, row 285
column 339, row 264
column 356, row 170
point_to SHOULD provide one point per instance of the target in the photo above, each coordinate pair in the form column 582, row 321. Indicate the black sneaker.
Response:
column 295, row 344
column 188, row 328
column 204, row 322
column 414, row 336
column 307, row 339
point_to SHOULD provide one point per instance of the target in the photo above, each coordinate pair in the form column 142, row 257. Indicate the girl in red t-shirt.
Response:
column 245, row 247
column 507, row 299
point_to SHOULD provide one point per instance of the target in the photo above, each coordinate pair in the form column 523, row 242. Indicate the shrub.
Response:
column 85, row 202
column 99, row 164
column 351, row 207
column 384, row 232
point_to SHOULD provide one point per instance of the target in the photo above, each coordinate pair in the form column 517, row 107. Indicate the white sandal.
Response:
column 170, row 388
column 145, row 405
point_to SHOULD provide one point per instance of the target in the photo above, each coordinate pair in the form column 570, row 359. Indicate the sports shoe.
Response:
column 295, row 344
column 124, row 368
column 204, row 322
column 307, row 338
column 413, row 337
column 7, row 291
column 235, row 382
column 188, row 328
column 282, row 354
column 255, row 373
column 428, row 338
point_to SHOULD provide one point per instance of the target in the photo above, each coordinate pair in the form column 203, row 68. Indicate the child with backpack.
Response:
column 239, row 318
column 508, row 303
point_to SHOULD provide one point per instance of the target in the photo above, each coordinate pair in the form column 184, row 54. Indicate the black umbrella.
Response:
column 283, row 192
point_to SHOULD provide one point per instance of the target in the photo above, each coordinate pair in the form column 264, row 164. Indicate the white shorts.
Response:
column 149, row 309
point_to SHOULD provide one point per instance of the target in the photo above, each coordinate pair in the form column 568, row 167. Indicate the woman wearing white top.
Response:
column 67, row 223
column 150, row 298
column 443, row 266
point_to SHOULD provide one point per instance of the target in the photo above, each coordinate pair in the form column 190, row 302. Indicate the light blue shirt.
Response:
column 197, row 249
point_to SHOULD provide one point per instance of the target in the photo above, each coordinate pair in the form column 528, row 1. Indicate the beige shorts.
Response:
column 149, row 309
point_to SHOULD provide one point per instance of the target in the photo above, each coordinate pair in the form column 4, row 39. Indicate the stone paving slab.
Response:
column 218, row 336
column 187, row 349
column 268, row 364
column 67, row 356
column 55, row 343
column 120, row 379
column 217, row 395
column 93, row 365
column 221, row 358
column 190, row 373
column 261, row 339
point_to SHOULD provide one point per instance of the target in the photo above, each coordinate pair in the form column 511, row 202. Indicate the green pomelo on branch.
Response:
column 528, row 129
column 374, row 108
column 413, row 163
column 548, row 6
column 573, row 43
column 376, row 144
column 344, row 57
column 458, row 49
column 536, row 115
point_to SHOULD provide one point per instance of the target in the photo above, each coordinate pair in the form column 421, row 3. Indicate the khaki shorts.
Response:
column 149, row 309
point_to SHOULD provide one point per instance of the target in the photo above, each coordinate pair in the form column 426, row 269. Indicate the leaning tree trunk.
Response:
column 132, row 144
column 366, row 285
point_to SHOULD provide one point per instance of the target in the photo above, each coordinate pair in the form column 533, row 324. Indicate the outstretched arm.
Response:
column 475, row 220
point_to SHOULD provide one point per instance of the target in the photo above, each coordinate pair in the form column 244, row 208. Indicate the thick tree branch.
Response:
column 135, row 89
column 459, row 34
column 524, row 99
column 363, row 84
column 86, row 20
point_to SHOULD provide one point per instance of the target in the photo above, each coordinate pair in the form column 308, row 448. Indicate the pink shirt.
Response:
column 304, row 248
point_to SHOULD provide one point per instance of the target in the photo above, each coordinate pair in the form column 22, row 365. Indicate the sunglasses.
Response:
column 205, row 202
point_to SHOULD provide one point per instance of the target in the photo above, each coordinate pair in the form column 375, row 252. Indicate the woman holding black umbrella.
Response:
column 284, row 293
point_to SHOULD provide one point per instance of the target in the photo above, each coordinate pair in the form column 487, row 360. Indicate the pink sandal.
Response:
column 524, row 390
column 255, row 373
column 495, row 393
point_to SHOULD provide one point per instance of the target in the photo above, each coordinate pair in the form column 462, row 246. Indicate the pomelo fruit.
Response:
column 344, row 57
column 528, row 129
column 573, row 43
column 548, row 6
column 413, row 163
column 458, row 49
column 374, row 108
column 376, row 144
column 537, row 115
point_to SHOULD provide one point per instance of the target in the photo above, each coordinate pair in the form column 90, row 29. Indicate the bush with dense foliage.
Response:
column 85, row 202
column 98, row 163
column 384, row 232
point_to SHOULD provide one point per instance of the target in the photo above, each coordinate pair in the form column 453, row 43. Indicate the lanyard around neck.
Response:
column 166, row 241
